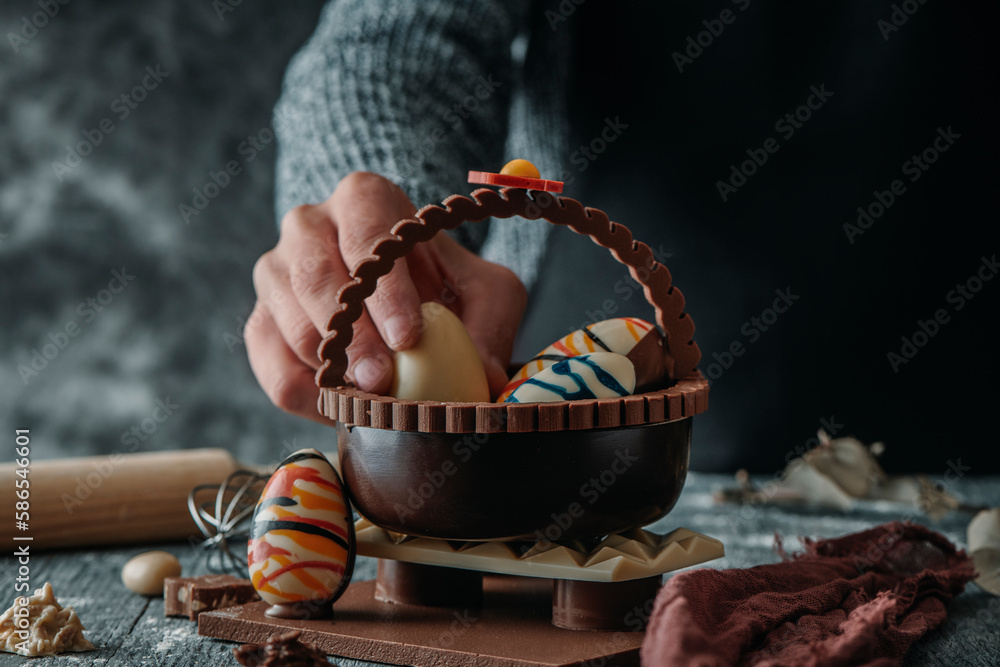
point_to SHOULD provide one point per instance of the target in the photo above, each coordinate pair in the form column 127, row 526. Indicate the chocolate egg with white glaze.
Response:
column 597, row 375
column 302, row 544
column 632, row 337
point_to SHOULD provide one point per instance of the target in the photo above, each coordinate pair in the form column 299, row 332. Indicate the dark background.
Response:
column 174, row 332
column 826, row 358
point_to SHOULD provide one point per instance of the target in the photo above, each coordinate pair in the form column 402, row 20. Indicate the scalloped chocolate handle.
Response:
column 682, row 353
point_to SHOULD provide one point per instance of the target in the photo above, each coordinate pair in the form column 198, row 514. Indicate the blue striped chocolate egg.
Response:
column 636, row 339
column 597, row 375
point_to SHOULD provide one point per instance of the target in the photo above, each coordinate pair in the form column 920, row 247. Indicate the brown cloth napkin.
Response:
column 861, row 599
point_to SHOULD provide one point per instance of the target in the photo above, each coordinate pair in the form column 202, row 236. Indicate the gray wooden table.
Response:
column 130, row 630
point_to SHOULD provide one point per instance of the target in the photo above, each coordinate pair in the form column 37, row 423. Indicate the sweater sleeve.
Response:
column 419, row 92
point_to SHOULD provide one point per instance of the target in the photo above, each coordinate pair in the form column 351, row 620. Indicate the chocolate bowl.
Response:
column 506, row 471
column 507, row 486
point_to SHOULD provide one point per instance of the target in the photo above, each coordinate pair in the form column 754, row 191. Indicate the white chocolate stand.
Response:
column 636, row 554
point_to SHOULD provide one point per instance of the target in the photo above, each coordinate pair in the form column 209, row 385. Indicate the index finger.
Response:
column 365, row 208
column 316, row 272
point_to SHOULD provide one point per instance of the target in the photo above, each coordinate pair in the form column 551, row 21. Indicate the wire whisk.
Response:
column 226, row 519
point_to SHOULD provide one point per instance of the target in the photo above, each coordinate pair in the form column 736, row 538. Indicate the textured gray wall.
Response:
column 172, row 332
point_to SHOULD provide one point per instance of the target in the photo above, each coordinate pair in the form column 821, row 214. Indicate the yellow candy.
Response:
column 521, row 168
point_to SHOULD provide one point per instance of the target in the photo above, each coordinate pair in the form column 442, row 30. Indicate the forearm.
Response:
column 416, row 91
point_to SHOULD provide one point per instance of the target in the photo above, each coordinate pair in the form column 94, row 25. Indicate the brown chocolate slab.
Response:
column 192, row 596
column 513, row 628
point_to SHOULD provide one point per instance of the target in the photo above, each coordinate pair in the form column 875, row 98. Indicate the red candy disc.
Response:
column 504, row 180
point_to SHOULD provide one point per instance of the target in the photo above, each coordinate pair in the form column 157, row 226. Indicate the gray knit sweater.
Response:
column 422, row 92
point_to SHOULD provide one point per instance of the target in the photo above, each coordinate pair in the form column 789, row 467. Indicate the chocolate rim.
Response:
column 681, row 353
column 353, row 407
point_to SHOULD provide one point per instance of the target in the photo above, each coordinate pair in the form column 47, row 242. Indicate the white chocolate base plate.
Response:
column 636, row 554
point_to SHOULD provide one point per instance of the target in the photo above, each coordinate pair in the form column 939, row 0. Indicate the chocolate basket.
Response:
column 514, row 471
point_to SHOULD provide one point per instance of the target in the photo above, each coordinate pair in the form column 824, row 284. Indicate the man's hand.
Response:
column 297, row 283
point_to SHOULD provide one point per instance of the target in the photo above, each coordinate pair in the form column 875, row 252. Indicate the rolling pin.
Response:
column 119, row 499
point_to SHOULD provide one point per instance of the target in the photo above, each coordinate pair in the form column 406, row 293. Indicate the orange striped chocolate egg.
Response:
column 631, row 337
column 302, row 542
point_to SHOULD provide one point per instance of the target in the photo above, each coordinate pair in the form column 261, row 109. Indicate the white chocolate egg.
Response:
column 621, row 335
column 597, row 375
column 302, row 543
column 444, row 365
